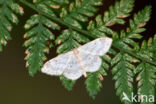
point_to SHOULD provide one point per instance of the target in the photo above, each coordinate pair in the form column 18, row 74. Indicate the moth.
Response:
column 77, row 62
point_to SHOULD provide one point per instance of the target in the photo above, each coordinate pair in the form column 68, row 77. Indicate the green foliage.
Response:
column 79, row 11
column 94, row 81
column 123, row 71
column 117, row 12
column 115, row 15
column 7, row 16
column 146, row 79
column 123, row 64
column 146, row 72
column 69, row 40
column 126, row 57
column 38, row 35
column 93, row 84
column 68, row 84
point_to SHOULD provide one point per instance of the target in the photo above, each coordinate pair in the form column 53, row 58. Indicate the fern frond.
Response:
column 126, row 39
column 123, row 71
column 79, row 11
column 94, row 80
column 37, row 35
column 50, row 6
column 148, row 49
column 68, row 84
column 51, row 3
column 154, row 47
column 146, row 81
column 93, row 83
column 146, row 72
column 123, row 64
column 8, row 8
column 115, row 15
column 118, row 12
column 69, row 40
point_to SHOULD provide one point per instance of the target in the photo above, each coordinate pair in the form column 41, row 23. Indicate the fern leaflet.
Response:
column 8, row 8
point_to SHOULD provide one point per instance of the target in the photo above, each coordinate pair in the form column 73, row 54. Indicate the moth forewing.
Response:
column 97, row 47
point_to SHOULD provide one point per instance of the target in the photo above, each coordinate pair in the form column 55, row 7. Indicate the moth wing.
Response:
column 90, row 63
column 73, row 70
column 97, row 47
column 57, row 65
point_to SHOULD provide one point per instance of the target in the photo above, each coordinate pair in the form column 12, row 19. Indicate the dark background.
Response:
column 17, row 87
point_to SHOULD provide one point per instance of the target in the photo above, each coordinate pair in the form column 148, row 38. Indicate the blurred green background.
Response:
column 17, row 87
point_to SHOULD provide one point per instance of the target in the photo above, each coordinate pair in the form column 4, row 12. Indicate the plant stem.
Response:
column 83, row 31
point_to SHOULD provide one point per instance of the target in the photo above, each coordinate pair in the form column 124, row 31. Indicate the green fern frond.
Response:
column 148, row 49
column 93, row 83
column 94, row 80
column 50, row 6
column 146, row 72
column 38, row 34
column 51, row 2
column 153, row 47
column 115, row 15
column 126, row 39
column 123, row 64
column 118, row 12
column 140, row 20
column 68, row 84
column 123, row 71
column 8, row 8
column 69, row 40
column 146, row 81
column 79, row 11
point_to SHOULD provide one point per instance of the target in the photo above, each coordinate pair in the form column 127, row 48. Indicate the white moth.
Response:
column 77, row 62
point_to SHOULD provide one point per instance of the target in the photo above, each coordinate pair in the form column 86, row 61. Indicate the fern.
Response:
column 38, row 34
column 127, row 59
column 94, row 81
column 68, row 84
column 69, row 40
column 123, row 68
column 8, row 8
column 123, row 74
column 116, row 14
column 146, row 72
column 79, row 11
